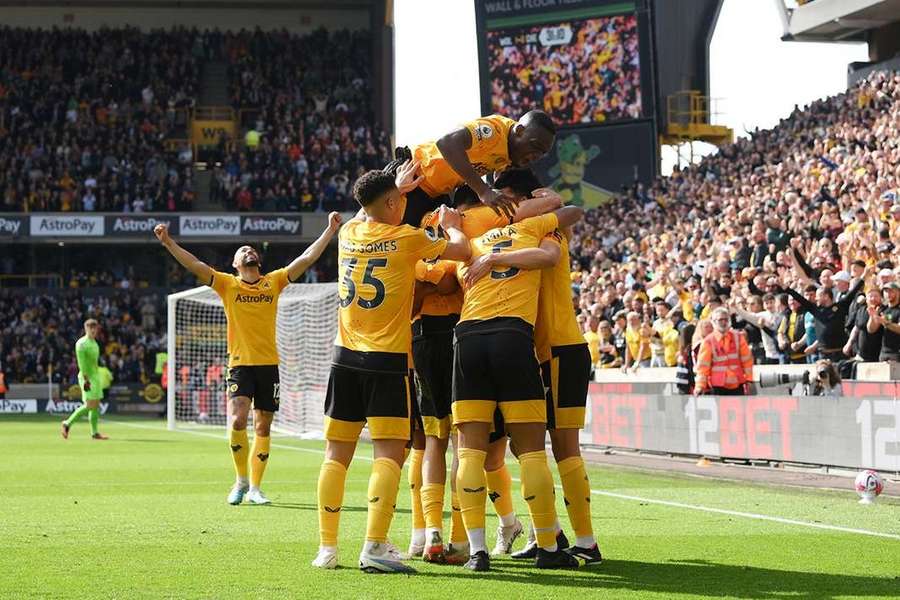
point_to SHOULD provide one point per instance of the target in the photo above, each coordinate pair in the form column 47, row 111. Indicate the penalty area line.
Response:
column 669, row 503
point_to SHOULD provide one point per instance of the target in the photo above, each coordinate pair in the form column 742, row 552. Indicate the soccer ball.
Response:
column 868, row 485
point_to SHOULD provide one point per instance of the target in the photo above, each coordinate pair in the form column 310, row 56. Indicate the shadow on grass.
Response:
column 315, row 507
column 698, row 577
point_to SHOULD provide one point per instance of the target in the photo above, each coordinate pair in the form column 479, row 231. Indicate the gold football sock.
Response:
column 577, row 493
column 415, row 488
column 537, row 488
column 499, row 485
column 433, row 505
column 240, row 450
column 259, row 459
column 457, row 529
column 470, row 485
column 383, row 485
column 332, row 476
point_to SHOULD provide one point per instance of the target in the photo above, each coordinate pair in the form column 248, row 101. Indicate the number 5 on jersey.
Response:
column 368, row 266
column 507, row 273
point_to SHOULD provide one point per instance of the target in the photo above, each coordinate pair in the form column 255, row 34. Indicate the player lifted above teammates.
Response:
column 433, row 356
column 251, row 305
column 480, row 147
column 494, row 365
column 87, row 354
column 369, row 381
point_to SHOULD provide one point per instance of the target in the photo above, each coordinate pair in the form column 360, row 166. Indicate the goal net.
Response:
column 198, row 357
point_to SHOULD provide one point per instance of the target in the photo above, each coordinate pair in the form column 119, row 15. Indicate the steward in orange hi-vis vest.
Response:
column 724, row 363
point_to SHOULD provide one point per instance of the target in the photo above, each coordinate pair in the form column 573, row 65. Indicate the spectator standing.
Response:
column 724, row 363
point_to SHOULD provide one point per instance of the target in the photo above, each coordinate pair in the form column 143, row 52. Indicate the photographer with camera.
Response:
column 725, row 363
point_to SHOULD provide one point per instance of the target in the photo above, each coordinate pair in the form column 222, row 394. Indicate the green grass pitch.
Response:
column 143, row 515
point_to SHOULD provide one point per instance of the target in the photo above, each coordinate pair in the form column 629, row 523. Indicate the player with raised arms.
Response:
column 87, row 355
column 250, row 300
column 495, row 366
column 480, row 147
column 369, row 381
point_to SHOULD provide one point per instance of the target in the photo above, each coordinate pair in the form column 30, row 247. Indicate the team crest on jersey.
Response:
column 483, row 131
column 266, row 285
column 233, row 387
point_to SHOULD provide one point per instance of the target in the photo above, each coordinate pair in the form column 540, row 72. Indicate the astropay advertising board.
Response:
column 66, row 226
column 859, row 430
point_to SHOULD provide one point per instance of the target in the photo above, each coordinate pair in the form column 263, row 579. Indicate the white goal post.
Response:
column 197, row 367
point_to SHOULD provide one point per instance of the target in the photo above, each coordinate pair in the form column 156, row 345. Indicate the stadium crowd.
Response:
column 591, row 78
column 38, row 332
column 811, row 205
column 83, row 118
column 308, row 101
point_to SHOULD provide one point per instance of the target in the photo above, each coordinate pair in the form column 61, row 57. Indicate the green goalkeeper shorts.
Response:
column 96, row 391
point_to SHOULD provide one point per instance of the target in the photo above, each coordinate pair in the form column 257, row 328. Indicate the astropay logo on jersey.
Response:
column 209, row 225
column 66, row 226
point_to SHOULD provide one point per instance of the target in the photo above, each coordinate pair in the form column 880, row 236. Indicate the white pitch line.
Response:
column 747, row 515
column 672, row 504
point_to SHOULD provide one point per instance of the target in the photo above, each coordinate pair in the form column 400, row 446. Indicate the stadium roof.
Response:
column 837, row 20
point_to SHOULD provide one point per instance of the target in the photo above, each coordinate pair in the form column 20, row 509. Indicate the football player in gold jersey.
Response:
column 479, row 147
column 433, row 354
column 369, row 382
column 495, row 366
column 251, row 305
column 566, row 367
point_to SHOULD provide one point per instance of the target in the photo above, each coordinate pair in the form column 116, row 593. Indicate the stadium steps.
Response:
column 214, row 84
column 202, row 184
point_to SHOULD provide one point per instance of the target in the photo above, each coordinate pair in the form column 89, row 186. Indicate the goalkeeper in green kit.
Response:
column 87, row 353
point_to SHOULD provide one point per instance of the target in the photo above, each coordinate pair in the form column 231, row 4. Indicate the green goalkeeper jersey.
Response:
column 87, row 353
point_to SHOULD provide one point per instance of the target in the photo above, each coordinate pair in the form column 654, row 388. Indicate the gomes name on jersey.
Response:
column 254, row 299
column 378, row 247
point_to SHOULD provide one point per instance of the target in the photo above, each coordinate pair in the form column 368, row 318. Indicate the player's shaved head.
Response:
column 531, row 138
column 534, row 120
column 246, row 256
column 373, row 186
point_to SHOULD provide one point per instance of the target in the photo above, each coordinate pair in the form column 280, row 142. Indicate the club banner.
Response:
column 281, row 225
column 859, row 430
column 120, row 398
column 66, row 226
column 13, row 226
column 209, row 132
column 138, row 225
column 209, row 225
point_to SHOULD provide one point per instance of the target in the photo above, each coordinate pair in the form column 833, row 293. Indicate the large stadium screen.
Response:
column 578, row 61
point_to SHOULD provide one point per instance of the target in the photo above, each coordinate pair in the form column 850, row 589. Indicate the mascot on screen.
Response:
column 568, row 174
